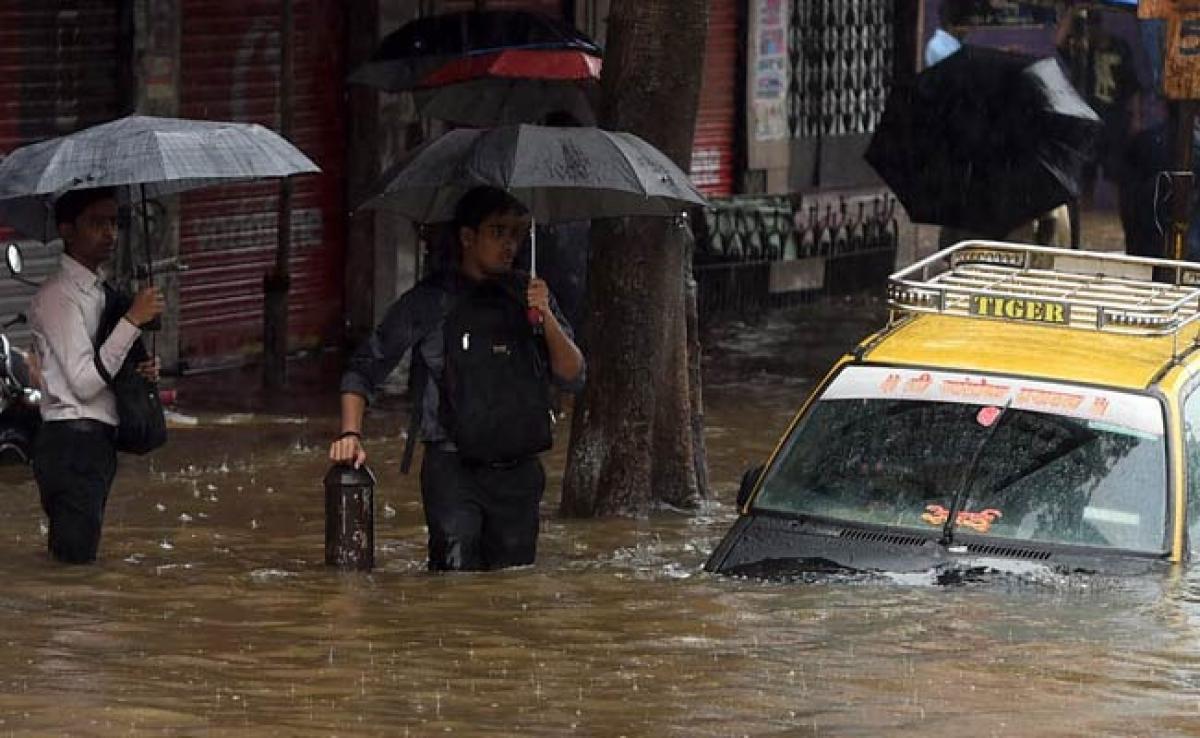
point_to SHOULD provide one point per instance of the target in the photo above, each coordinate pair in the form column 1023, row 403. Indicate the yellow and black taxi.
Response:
column 1024, row 406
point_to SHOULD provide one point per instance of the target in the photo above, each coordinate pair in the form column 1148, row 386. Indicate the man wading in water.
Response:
column 76, row 456
column 482, row 377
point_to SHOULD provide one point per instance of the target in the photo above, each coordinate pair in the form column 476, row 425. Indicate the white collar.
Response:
column 84, row 278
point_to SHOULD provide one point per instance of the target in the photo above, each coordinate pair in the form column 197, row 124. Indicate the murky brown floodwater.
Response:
column 212, row 614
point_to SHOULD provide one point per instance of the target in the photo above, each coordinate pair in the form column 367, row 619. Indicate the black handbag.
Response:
column 142, row 425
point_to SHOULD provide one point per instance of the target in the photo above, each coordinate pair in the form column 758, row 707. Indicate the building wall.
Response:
column 714, row 148
column 230, row 70
column 64, row 66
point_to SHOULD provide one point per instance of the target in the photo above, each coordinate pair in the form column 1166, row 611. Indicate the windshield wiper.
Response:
column 960, row 495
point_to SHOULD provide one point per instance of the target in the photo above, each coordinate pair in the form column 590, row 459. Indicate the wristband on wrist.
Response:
column 347, row 434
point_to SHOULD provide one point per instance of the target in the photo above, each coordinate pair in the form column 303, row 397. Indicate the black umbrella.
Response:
column 560, row 174
column 984, row 141
column 418, row 48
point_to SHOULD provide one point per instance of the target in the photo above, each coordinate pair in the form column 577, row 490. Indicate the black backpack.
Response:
column 495, row 401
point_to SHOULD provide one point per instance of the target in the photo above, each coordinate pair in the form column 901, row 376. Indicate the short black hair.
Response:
column 483, row 201
column 953, row 13
column 73, row 202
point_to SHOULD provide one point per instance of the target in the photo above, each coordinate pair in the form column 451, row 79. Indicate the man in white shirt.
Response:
column 75, row 458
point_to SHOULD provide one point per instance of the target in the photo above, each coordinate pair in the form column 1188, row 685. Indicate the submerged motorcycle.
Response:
column 20, row 417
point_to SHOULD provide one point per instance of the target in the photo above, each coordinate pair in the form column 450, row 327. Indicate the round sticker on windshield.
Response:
column 987, row 415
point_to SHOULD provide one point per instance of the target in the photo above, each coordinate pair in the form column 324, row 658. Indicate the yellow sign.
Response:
column 1181, row 64
column 1155, row 8
column 1013, row 308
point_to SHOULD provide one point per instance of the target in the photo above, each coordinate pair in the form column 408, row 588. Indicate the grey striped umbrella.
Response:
column 148, row 156
column 560, row 174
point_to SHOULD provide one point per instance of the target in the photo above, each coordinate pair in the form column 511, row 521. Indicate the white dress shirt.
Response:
column 64, row 318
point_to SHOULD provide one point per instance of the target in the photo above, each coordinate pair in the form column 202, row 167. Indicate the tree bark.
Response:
column 635, row 440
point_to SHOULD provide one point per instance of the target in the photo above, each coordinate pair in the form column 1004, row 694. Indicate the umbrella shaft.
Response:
column 533, row 248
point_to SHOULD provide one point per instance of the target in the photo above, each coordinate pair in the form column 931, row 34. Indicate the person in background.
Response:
column 1101, row 67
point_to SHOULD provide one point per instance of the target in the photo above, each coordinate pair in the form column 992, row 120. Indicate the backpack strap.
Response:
column 418, row 377
column 115, row 305
column 418, row 374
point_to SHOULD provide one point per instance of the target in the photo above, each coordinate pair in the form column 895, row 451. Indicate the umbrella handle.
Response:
column 534, row 316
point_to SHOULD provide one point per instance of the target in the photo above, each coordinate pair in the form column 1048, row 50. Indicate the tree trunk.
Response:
column 635, row 437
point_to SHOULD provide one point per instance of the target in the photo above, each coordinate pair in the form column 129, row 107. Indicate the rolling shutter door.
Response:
column 713, row 147
column 230, row 71
column 60, row 71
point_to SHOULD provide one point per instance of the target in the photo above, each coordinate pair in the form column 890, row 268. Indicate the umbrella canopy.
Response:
column 512, row 86
column 560, row 174
column 416, row 49
column 984, row 141
column 539, row 64
column 492, row 102
column 160, row 156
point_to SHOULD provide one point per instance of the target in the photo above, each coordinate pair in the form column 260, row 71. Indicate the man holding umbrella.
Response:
column 76, row 457
column 140, row 157
column 481, row 480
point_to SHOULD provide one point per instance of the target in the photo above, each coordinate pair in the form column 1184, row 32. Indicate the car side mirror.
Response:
column 749, row 482
column 16, row 261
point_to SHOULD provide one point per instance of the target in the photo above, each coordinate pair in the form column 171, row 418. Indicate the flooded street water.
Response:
column 211, row 612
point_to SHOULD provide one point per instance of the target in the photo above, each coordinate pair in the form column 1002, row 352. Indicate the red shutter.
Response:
column 230, row 71
column 59, row 69
column 712, row 148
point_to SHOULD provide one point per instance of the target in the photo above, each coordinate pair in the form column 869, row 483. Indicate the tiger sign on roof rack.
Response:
column 1077, row 289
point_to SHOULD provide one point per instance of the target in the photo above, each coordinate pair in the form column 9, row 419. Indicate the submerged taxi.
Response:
column 1023, row 406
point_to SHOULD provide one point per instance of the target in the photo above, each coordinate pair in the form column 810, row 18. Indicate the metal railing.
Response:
column 1078, row 289
column 742, row 237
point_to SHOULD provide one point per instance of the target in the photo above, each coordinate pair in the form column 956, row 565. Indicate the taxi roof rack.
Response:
column 1113, row 293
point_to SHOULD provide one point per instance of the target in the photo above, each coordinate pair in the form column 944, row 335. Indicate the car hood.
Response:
column 766, row 546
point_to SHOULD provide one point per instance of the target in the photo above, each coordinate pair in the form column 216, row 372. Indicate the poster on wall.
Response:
column 769, row 85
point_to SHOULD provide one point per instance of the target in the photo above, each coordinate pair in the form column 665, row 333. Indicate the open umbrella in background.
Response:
column 407, row 55
column 984, row 141
column 483, row 68
column 514, row 86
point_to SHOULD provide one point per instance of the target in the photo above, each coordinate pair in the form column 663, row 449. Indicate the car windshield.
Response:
column 1045, row 462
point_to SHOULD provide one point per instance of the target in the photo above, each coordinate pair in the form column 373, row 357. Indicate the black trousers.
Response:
column 480, row 517
column 74, row 463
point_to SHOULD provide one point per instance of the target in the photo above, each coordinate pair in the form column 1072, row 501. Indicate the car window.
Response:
column 1067, row 465
column 1191, row 446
